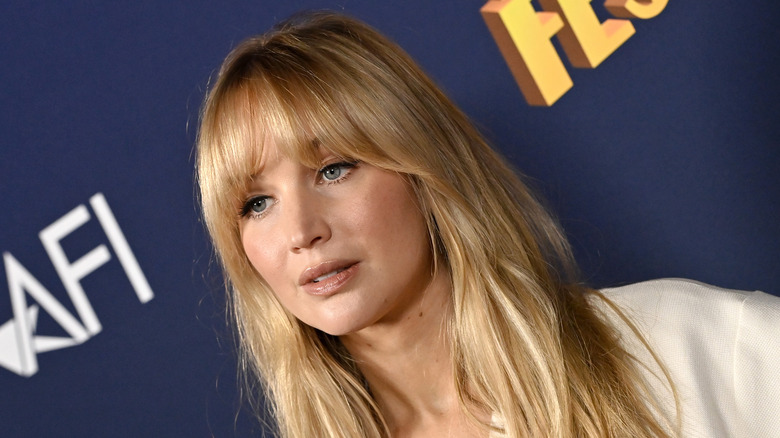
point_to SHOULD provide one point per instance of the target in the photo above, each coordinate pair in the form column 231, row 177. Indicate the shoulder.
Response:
column 689, row 306
column 678, row 294
column 720, row 346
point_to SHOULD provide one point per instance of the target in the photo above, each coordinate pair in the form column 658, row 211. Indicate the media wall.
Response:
column 660, row 161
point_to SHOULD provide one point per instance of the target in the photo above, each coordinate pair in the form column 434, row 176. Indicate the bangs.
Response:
column 294, row 110
column 309, row 94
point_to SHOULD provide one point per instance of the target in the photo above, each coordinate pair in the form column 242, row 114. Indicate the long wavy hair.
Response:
column 526, row 343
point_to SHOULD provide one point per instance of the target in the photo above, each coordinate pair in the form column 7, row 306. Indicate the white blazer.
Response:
column 721, row 348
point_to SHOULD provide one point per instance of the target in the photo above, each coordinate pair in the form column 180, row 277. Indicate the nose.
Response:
column 305, row 220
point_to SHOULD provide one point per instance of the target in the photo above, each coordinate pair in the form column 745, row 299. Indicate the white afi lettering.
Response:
column 19, row 344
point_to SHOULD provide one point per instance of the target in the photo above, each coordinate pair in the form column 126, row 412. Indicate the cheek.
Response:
column 262, row 253
column 392, row 216
column 373, row 216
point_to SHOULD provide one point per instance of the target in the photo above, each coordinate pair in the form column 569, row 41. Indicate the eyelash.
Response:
column 346, row 165
column 246, row 209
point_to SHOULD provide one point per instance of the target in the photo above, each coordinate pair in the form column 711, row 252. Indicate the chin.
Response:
column 335, row 330
column 338, row 328
column 342, row 318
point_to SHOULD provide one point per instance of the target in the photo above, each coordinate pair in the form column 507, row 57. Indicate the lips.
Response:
column 327, row 277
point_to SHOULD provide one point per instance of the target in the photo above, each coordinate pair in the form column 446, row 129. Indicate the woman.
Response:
column 390, row 275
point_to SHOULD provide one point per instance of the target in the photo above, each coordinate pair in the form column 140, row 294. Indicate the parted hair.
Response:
column 526, row 343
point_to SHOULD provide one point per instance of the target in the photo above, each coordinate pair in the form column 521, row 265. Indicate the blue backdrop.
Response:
column 661, row 162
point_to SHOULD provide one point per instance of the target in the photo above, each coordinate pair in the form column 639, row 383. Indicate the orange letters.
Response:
column 523, row 36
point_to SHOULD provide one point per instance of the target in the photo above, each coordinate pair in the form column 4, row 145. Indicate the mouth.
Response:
column 327, row 278
column 325, row 270
column 329, row 274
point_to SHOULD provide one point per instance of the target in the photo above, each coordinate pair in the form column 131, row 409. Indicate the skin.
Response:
column 388, row 307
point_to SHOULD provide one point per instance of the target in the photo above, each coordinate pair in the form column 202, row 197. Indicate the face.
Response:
column 343, row 247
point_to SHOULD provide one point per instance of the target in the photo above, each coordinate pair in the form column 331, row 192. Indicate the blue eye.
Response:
column 258, row 205
column 336, row 171
column 255, row 206
column 331, row 173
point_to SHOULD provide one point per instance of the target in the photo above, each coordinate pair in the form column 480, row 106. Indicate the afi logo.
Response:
column 19, row 344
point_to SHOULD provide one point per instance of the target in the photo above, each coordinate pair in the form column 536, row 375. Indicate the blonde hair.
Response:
column 555, row 368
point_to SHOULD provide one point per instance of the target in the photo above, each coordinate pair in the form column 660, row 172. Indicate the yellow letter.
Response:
column 523, row 36
column 635, row 8
column 586, row 41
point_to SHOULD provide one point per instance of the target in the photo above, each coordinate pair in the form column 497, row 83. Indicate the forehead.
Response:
column 271, row 155
column 253, row 125
column 256, row 114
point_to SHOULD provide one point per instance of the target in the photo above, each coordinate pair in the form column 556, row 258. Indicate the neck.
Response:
column 406, row 361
